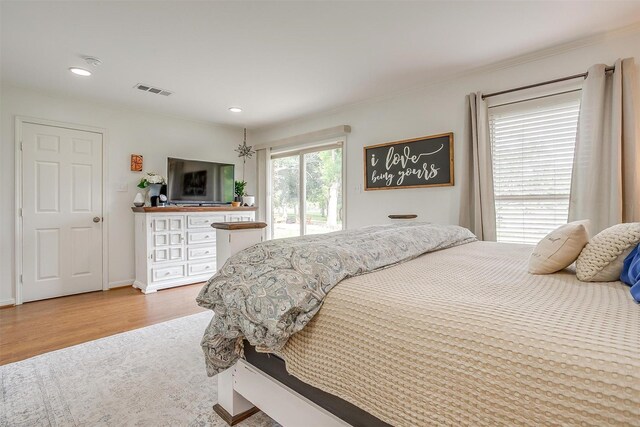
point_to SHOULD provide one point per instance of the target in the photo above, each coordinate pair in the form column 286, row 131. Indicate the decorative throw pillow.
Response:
column 631, row 272
column 601, row 260
column 559, row 248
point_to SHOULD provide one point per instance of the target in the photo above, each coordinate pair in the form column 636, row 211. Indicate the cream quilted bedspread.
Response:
column 465, row 336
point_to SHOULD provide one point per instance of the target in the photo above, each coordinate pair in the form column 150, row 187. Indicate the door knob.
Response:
column 96, row 219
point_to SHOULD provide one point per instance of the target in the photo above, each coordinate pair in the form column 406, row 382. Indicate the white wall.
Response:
column 436, row 109
column 128, row 132
column 430, row 110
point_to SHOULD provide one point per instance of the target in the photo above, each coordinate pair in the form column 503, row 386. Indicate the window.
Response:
column 306, row 191
column 532, row 146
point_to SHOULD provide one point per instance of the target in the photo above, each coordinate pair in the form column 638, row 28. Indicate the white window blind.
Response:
column 532, row 145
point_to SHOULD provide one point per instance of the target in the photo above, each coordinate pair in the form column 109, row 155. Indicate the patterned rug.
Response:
column 154, row 376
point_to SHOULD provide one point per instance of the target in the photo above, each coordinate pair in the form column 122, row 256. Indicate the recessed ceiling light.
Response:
column 235, row 109
column 80, row 71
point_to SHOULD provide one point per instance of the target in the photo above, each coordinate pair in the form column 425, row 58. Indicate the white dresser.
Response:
column 177, row 246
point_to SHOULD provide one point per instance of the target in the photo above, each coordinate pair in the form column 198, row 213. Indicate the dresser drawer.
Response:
column 201, row 236
column 167, row 273
column 238, row 217
column 203, row 221
column 170, row 223
column 167, row 239
column 202, row 268
column 201, row 252
column 168, row 254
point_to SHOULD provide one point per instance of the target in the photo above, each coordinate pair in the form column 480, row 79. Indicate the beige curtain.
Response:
column 263, row 176
column 605, row 183
column 477, row 207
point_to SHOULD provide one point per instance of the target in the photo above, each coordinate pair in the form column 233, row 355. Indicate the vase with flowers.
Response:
column 153, row 183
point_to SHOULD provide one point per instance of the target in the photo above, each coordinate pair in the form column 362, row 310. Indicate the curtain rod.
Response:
column 548, row 82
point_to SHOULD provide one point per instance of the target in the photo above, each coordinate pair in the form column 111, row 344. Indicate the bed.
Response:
column 464, row 335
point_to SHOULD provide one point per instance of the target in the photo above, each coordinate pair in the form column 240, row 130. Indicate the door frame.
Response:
column 20, row 121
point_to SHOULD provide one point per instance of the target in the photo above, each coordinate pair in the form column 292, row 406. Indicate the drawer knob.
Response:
column 167, row 273
column 207, row 267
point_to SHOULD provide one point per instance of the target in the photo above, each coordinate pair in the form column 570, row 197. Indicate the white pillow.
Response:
column 601, row 260
column 559, row 248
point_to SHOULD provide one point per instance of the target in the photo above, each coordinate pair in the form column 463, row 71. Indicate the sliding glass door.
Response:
column 307, row 192
column 285, row 197
column 323, row 191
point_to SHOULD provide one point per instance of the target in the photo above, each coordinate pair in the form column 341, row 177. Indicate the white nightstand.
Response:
column 232, row 237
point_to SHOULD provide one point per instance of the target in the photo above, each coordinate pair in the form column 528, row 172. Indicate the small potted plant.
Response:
column 239, row 191
column 154, row 183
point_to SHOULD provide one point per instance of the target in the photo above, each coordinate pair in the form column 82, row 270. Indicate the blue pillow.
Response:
column 631, row 272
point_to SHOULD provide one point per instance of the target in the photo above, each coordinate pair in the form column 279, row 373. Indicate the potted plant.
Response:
column 153, row 182
column 239, row 191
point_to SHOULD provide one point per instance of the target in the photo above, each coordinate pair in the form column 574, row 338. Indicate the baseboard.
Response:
column 233, row 420
column 121, row 283
column 7, row 302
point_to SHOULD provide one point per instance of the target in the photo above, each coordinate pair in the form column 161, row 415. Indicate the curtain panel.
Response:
column 477, row 207
column 605, row 182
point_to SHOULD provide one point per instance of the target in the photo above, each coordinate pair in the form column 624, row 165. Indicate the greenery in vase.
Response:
column 239, row 188
column 151, row 178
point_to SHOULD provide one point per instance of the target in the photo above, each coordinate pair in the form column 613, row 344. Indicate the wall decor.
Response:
column 245, row 151
column 411, row 163
column 136, row 163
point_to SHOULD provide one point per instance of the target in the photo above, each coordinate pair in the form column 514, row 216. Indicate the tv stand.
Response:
column 199, row 204
column 176, row 245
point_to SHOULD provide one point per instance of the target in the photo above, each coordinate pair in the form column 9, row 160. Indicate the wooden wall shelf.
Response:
column 403, row 216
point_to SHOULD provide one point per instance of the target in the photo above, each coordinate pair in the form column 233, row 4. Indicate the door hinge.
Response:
column 229, row 238
column 21, row 146
column 20, row 212
column 21, row 278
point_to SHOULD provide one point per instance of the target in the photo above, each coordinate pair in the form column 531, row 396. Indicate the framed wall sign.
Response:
column 419, row 162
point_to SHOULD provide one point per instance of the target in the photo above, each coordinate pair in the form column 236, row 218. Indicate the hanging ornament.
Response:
column 245, row 151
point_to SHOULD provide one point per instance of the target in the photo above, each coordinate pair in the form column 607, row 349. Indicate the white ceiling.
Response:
column 277, row 60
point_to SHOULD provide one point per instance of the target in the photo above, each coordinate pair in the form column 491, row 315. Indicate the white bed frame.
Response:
column 243, row 390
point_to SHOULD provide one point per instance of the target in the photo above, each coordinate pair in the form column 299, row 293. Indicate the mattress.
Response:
column 466, row 336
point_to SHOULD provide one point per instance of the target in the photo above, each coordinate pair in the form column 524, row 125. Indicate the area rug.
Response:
column 154, row 376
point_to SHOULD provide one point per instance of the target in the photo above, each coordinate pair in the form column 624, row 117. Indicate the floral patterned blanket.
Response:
column 270, row 291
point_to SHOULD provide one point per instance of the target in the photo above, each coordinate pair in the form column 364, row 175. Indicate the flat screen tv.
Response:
column 196, row 181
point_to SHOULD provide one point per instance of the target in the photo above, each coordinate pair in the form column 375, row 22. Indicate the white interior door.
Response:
column 61, row 210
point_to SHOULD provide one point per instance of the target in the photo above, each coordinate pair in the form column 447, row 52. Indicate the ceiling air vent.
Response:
column 151, row 89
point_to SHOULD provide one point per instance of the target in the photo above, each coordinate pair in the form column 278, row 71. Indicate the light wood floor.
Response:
column 38, row 327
